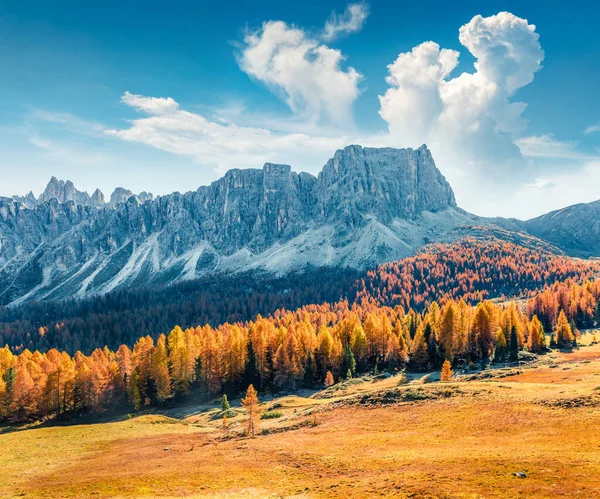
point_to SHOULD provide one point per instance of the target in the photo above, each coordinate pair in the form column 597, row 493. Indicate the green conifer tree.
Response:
column 348, row 360
column 225, row 403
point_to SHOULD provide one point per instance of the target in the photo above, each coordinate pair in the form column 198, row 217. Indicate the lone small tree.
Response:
column 250, row 403
column 447, row 371
column 329, row 379
column 225, row 403
column 564, row 333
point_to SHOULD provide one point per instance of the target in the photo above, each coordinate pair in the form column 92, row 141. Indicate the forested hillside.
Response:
column 470, row 269
column 292, row 349
column 123, row 316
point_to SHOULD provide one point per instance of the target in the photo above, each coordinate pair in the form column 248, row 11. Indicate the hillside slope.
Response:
column 575, row 229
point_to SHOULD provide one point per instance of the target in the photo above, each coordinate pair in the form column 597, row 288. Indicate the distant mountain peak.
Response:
column 64, row 191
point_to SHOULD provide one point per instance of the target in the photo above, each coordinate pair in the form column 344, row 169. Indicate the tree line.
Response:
column 283, row 352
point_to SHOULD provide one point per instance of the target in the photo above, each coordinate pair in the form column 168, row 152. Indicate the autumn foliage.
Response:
column 303, row 348
column 471, row 270
column 447, row 372
column 250, row 403
column 579, row 302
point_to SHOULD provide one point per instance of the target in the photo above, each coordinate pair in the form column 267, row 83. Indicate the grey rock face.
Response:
column 366, row 206
column 387, row 182
column 29, row 200
column 120, row 195
column 575, row 229
column 145, row 196
column 98, row 198
column 63, row 192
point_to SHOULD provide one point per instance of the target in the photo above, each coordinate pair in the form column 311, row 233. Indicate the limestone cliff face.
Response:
column 366, row 206
column 386, row 183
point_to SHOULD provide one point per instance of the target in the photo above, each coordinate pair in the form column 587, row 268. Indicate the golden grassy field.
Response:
column 464, row 439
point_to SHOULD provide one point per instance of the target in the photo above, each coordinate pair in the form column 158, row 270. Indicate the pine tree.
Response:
column 309, row 370
column 447, row 371
column 269, row 369
column 329, row 381
column 348, row 360
column 225, row 403
column 9, row 378
column 250, row 403
column 537, row 338
column 419, row 358
column 359, row 344
column 135, row 398
column 482, row 328
column 597, row 314
column 448, row 331
column 501, row 347
column 433, row 349
column 251, row 373
column 198, row 370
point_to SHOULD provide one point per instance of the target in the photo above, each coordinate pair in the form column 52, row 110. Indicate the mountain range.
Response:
column 365, row 207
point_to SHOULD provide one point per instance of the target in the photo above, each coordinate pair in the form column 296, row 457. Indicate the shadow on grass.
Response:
column 178, row 410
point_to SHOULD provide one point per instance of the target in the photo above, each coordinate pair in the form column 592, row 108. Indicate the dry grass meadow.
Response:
column 367, row 438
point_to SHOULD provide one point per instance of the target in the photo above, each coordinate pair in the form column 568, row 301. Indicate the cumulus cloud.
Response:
column 469, row 120
column 220, row 145
column 307, row 73
column 351, row 21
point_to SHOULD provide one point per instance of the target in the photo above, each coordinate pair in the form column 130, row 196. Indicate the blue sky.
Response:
column 84, row 89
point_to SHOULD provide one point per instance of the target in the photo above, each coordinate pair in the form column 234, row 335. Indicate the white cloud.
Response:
column 506, row 48
column 306, row 72
column 150, row 105
column 592, row 129
column 351, row 21
column 220, row 145
column 469, row 120
column 413, row 103
column 546, row 146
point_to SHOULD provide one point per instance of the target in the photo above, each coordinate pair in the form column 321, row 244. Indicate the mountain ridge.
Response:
column 366, row 206
column 64, row 191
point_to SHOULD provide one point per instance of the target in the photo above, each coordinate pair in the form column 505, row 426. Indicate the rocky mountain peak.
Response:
column 120, row 195
column 63, row 192
column 98, row 198
column 384, row 182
